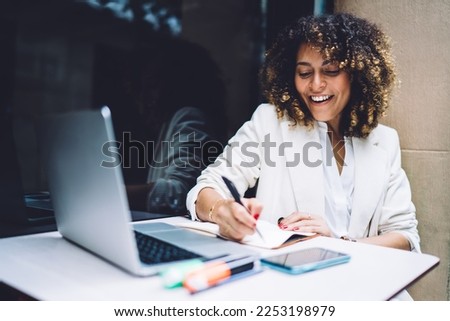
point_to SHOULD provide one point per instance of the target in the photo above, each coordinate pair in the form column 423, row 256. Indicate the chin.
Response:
column 321, row 118
column 324, row 117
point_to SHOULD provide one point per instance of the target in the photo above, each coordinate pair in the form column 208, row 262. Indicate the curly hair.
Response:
column 358, row 46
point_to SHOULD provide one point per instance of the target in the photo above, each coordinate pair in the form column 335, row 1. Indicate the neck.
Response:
column 333, row 127
column 337, row 143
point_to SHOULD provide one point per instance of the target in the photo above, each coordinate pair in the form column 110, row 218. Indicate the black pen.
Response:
column 237, row 198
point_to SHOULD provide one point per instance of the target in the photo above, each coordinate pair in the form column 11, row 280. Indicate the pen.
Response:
column 206, row 277
column 237, row 198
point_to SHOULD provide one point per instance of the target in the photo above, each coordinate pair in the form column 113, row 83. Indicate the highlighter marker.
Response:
column 174, row 275
column 256, row 269
column 206, row 277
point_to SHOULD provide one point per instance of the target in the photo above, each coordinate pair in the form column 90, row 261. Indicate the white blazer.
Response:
column 287, row 160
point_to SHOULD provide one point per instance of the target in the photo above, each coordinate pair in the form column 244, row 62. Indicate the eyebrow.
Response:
column 304, row 63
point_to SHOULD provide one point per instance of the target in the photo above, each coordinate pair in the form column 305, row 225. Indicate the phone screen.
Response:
column 306, row 260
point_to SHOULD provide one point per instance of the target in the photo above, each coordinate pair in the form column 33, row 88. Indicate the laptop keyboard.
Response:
column 153, row 250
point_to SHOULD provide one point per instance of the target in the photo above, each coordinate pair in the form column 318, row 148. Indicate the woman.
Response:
column 322, row 162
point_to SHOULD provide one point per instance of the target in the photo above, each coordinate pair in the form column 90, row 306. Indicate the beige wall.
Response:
column 420, row 112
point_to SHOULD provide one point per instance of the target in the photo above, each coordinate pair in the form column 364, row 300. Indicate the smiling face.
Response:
column 322, row 85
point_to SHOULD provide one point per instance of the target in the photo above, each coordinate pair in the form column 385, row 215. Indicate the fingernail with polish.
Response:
column 256, row 216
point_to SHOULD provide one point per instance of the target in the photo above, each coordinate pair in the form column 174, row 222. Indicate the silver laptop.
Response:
column 89, row 197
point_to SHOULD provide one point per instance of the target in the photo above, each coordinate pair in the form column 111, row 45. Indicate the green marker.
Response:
column 174, row 275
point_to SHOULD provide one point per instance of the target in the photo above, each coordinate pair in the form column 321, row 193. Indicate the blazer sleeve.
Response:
column 398, row 212
column 240, row 161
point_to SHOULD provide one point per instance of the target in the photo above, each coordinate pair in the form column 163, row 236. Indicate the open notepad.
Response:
column 274, row 237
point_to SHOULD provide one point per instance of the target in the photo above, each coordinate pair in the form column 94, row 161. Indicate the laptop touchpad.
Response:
column 207, row 246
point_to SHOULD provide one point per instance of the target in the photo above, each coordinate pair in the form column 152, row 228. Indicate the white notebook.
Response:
column 274, row 237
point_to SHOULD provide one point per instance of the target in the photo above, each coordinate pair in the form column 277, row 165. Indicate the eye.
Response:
column 304, row 74
column 332, row 72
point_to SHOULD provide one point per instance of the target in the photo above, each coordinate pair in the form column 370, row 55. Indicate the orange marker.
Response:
column 209, row 276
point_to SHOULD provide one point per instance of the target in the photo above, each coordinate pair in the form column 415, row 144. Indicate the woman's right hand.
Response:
column 234, row 221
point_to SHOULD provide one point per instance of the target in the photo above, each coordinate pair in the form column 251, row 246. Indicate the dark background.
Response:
column 60, row 55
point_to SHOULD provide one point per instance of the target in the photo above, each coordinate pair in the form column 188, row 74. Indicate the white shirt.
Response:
column 338, row 188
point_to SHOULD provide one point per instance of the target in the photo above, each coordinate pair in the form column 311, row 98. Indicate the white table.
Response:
column 47, row 267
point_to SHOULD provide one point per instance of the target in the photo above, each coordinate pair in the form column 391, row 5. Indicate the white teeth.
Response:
column 319, row 98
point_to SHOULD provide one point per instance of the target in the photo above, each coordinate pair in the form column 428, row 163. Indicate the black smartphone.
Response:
column 305, row 260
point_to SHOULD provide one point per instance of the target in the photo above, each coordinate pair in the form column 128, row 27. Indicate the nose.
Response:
column 317, row 83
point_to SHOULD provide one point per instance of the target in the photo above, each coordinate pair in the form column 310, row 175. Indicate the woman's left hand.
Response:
column 307, row 223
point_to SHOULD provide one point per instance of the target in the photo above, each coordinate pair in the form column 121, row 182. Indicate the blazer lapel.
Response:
column 303, row 157
column 370, row 175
